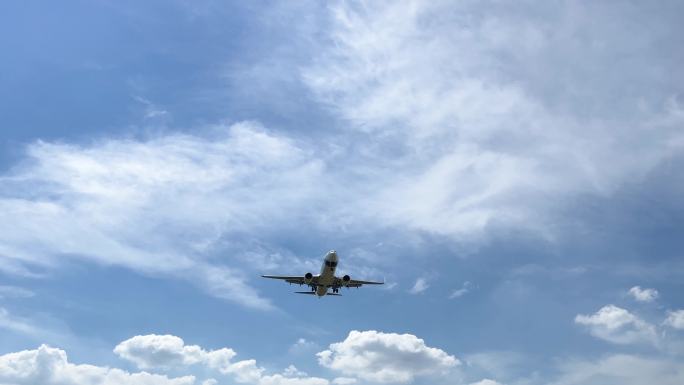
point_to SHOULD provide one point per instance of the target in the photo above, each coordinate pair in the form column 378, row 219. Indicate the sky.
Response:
column 511, row 170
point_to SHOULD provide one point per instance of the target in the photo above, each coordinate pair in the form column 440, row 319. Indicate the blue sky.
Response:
column 512, row 170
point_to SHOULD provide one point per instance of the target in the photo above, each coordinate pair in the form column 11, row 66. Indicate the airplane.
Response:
column 320, row 284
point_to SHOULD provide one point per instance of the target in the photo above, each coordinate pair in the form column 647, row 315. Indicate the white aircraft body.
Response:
column 320, row 284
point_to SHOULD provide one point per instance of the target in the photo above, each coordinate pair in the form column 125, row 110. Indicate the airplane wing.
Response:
column 357, row 283
column 299, row 280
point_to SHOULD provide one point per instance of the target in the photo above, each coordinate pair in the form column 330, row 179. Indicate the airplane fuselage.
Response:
column 327, row 278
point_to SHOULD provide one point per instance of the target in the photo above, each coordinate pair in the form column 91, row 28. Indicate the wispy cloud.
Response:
column 620, row 369
column 445, row 93
column 15, row 292
column 15, row 324
column 618, row 325
column 151, row 110
column 420, row 286
column 160, row 206
column 461, row 292
column 643, row 295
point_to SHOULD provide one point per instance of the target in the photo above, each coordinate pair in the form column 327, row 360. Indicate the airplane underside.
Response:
column 320, row 290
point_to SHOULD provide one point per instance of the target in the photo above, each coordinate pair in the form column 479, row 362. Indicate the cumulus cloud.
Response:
column 675, row 319
column 617, row 325
column 643, row 295
column 166, row 352
column 420, row 286
column 50, row 366
column 385, row 357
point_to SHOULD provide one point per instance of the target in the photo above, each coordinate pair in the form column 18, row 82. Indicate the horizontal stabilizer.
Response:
column 313, row 293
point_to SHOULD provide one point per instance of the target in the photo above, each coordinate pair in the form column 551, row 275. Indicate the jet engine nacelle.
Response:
column 345, row 280
column 307, row 278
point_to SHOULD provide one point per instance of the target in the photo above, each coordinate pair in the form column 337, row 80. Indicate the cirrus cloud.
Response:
column 160, row 206
column 482, row 138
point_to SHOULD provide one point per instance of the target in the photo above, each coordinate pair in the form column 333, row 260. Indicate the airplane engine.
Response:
column 345, row 280
column 307, row 278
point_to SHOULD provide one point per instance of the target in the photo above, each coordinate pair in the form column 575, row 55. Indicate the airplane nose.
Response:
column 333, row 252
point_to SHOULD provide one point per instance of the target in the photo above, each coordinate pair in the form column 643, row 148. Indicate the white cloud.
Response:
column 245, row 371
column 302, row 346
column 482, row 136
column 460, row 292
column 344, row 381
column 453, row 142
column 619, row 326
column 49, row 366
column 420, row 286
column 390, row 285
column 292, row 371
column 643, row 295
column 15, row 292
column 385, row 357
column 278, row 379
column 486, row 381
column 39, row 327
column 151, row 110
column 161, row 206
column 7, row 321
column 167, row 351
column 675, row 319
column 621, row 369
column 170, row 352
